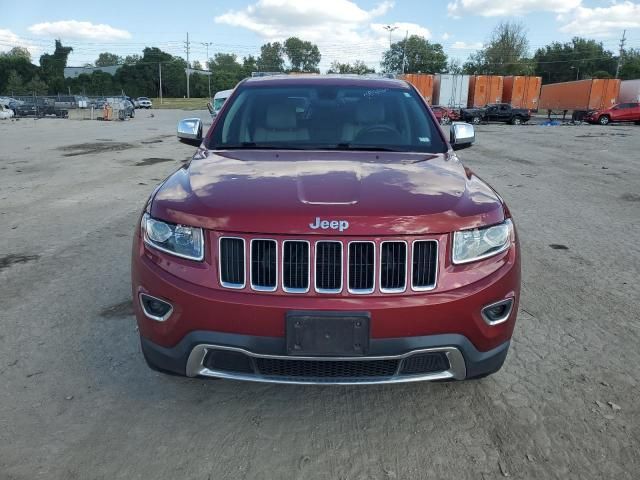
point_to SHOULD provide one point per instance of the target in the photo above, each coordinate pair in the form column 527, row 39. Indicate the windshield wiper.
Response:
column 365, row 148
column 255, row 146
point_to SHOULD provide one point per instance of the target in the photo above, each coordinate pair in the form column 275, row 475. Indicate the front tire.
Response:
column 476, row 120
column 604, row 120
column 516, row 121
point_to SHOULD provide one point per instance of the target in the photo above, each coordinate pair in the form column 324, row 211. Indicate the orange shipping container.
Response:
column 522, row 92
column 484, row 89
column 581, row 95
column 423, row 83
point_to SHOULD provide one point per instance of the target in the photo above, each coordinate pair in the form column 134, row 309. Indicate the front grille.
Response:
column 295, row 266
column 264, row 264
column 397, row 264
column 361, row 267
column 273, row 367
column 232, row 262
column 425, row 363
column 393, row 266
column 329, row 267
column 424, row 264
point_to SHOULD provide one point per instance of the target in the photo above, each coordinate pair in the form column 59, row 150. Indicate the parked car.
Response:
column 5, row 112
column 218, row 101
column 496, row 112
column 40, row 107
column 344, row 243
column 622, row 112
column 445, row 115
column 144, row 102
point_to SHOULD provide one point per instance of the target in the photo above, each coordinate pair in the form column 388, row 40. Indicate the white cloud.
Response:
column 602, row 21
column 466, row 45
column 496, row 8
column 342, row 30
column 445, row 36
column 67, row 29
column 8, row 40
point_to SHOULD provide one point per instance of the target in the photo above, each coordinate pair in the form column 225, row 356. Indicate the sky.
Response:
column 344, row 30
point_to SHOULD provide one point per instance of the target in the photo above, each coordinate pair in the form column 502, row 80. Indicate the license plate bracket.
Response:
column 327, row 333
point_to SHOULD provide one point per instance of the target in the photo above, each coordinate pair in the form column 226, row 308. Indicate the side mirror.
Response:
column 190, row 131
column 210, row 108
column 461, row 135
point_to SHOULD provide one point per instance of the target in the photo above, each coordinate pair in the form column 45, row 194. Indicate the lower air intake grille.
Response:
column 361, row 267
column 329, row 266
column 232, row 262
column 326, row 369
column 295, row 271
column 424, row 265
column 425, row 363
column 263, row 264
column 393, row 270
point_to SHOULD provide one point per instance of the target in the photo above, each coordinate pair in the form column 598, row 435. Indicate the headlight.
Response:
column 472, row 245
column 179, row 240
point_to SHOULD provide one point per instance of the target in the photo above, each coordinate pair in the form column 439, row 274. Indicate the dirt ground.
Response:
column 78, row 402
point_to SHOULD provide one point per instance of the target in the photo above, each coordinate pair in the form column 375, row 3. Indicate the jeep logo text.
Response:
column 340, row 225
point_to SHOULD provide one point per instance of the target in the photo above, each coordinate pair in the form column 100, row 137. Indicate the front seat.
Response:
column 280, row 125
column 368, row 113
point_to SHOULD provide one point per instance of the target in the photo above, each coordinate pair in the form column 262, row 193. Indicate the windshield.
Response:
column 328, row 117
column 218, row 102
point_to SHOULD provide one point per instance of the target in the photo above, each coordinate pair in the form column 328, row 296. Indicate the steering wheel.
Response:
column 376, row 131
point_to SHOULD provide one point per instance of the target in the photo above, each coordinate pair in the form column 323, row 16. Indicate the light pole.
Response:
column 207, row 44
column 390, row 29
column 577, row 69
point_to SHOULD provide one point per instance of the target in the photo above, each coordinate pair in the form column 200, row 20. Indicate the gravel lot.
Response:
column 78, row 402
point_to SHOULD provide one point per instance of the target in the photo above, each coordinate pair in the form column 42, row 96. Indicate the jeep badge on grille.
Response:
column 340, row 225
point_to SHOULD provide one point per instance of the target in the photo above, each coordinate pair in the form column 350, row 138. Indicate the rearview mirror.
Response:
column 461, row 135
column 190, row 131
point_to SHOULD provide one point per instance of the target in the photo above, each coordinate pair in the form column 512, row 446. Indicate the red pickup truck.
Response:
column 325, row 231
column 622, row 112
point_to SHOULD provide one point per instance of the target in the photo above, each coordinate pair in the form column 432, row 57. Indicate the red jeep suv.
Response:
column 325, row 232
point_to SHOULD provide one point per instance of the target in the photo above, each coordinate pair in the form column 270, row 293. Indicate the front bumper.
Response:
column 189, row 357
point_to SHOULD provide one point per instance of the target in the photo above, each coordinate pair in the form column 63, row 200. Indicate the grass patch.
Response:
column 181, row 103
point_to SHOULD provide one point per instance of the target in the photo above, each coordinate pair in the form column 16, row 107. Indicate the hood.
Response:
column 290, row 192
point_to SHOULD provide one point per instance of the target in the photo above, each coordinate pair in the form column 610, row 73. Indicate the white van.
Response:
column 218, row 100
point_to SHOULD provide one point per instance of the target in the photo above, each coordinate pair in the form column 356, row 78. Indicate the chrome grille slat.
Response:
column 232, row 262
column 264, row 261
column 424, row 265
column 328, row 266
column 397, row 265
column 295, row 266
column 361, row 267
column 393, row 267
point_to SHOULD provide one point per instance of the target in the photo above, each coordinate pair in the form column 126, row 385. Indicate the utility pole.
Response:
column 622, row 42
column 160, row 75
column 187, row 49
column 208, row 44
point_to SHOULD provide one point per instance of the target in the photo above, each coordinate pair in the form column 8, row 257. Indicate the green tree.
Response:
column 249, row 65
column 358, row 67
column 52, row 67
column 303, row 56
column 506, row 52
column 36, row 86
column 579, row 58
column 418, row 54
column 14, row 84
column 15, row 61
column 18, row 52
column 271, row 58
column 106, row 59
column 630, row 68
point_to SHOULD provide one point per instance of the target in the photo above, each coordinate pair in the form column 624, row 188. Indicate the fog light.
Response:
column 498, row 312
column 154, row 308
